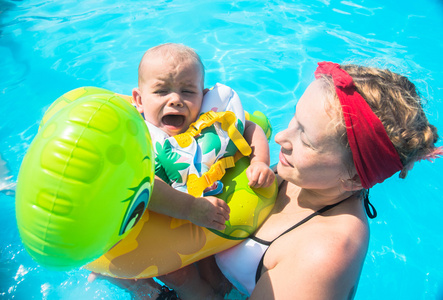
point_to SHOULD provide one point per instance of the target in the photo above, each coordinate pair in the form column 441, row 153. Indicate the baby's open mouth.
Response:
column 173, row 120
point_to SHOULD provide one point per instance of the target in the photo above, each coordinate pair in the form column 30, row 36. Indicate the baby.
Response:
column 170, row 95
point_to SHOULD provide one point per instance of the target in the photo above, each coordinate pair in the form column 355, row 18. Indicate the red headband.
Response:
column 374, row 156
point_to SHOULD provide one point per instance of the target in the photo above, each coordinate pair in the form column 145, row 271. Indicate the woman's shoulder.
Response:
column 326, row 234
column 331, row 250
column 341, row 233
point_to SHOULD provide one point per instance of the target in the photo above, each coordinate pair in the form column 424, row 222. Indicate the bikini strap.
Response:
column 260, row 241
column 318, row 212
column 370, row 209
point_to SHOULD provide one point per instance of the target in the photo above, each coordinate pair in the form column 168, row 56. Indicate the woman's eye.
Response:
column 306, row 144
column 304, row 140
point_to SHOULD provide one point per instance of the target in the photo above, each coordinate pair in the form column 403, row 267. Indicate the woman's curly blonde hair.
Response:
column 396, row 102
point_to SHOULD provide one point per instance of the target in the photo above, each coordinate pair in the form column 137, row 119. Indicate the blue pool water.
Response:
column 267, row 51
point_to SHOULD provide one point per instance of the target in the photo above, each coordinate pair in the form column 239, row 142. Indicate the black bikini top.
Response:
column 370, row 211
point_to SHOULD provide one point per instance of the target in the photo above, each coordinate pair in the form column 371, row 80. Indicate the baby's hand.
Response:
column 210, row 212
column 259, row 175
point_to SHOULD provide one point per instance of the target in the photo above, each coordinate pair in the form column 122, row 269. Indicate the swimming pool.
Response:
column 267, row 51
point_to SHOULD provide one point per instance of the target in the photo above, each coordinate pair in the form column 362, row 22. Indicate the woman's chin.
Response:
column 282, row 171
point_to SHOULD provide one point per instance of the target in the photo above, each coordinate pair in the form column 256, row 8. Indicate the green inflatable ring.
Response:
column 70, row 204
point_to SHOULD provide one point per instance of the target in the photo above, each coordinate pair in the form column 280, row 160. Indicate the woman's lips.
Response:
column 283, row 160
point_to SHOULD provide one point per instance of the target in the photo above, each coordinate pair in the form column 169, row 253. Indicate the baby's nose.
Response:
column 175, row 100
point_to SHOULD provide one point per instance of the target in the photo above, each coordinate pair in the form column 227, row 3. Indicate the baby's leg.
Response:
column 210, row 272
column 189, row 285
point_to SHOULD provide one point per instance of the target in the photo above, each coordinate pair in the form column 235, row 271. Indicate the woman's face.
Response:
column 311, row 155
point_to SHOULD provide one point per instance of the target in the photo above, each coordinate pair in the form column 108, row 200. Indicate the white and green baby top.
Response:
column 215, row 137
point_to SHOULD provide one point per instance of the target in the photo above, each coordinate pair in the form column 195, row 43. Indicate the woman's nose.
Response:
column 281, row 138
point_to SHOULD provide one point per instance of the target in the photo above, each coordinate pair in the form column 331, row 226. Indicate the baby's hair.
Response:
column 178, row 51
column 396, row 102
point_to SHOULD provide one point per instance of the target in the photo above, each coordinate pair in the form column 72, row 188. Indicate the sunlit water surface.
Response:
column 267, row 51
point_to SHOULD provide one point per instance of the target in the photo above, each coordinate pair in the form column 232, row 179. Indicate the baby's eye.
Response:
column 188, row 92
column 160, row 92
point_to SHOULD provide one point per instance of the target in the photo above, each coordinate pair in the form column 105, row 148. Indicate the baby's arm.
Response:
column 259, row 173
column 208, row 211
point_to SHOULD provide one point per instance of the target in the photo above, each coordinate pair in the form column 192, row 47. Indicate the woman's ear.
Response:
column 351, row 184
column 137, row 96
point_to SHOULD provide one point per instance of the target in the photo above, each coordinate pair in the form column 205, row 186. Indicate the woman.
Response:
column 353, row 128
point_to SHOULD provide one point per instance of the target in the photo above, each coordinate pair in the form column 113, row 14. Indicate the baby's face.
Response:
column 171, row 93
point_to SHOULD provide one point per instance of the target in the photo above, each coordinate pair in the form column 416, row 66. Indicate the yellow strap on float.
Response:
column 196, row 185
column 227, row 120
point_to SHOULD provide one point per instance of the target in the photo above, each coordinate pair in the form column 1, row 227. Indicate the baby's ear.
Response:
column 351, row 184
column 137, row 96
